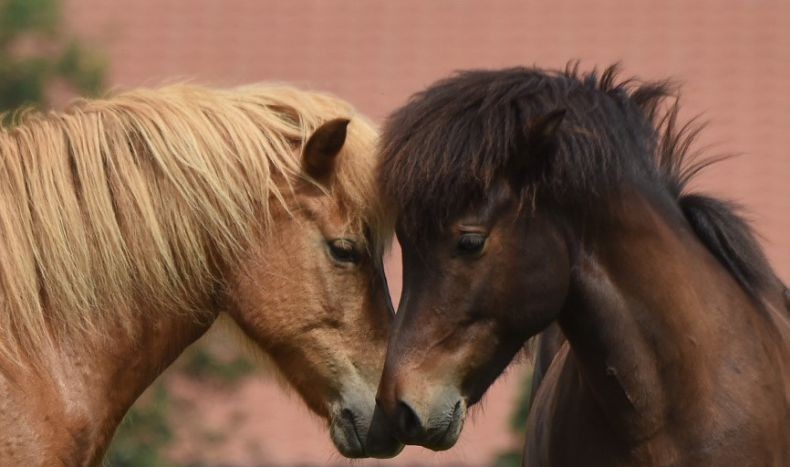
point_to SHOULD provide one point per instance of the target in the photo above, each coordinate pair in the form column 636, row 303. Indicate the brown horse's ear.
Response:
column 322, row 148
column 542, row 131
column 533, row 154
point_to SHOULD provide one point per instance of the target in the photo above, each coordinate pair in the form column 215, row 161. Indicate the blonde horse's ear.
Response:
column 323, row 146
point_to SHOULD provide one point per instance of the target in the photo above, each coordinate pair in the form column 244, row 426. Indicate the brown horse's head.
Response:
column 314, row 293
column 485, row 266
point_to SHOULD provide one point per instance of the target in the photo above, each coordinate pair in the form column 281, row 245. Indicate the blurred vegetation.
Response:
column 202, row 364
column 145, row 434
column 37, row 54
column 518, row 425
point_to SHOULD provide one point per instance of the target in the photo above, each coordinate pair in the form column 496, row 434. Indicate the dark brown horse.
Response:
column 524, row 197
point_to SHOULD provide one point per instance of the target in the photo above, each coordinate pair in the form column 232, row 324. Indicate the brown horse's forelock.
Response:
column 451, row 142
column 448, row 145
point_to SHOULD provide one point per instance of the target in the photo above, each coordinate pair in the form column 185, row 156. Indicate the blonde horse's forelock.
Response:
column 139, row 194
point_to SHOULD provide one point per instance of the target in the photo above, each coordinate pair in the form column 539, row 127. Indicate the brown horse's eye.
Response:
column 344, row 250
column 470, row 243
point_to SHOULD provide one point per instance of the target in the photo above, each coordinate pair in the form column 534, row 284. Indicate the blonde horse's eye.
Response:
column 344, row 250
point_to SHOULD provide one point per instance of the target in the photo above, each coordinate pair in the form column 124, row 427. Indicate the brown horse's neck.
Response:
column 73, row 401
column 663, row 335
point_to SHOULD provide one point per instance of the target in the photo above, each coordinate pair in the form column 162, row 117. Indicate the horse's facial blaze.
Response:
column 326, row 322
column 471, row 297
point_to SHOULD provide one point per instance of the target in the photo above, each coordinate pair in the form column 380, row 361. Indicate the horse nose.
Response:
column 407, row 423
column 430, row 416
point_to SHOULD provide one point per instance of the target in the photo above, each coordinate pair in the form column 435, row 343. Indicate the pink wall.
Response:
column 733, row 58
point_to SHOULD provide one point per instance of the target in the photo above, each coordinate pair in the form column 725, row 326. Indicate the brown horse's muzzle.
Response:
column 430, row 416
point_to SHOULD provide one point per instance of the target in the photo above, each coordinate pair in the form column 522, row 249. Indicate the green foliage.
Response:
column 82, row 67
column 202, row 364
column 36, row 52
column 518, row 419
column 144, row 433
column 18, row 17
column 518, row 425
column 508, row 459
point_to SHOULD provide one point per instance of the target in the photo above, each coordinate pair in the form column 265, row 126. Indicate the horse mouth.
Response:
column 356, row 436
column 345, row 435
column 446, row 438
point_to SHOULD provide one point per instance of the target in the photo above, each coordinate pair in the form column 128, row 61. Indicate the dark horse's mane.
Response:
column 445, row 148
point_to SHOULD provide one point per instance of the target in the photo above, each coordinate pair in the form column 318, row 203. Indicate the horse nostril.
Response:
column 407, row 421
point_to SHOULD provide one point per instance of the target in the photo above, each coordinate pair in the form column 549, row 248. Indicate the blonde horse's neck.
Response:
column 66, row 411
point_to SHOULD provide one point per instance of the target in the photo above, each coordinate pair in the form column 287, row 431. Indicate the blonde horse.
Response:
column 128, row 225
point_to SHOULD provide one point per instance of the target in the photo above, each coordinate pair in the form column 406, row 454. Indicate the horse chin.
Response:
column 346, row 438
column 444, row 437
column 359, row 432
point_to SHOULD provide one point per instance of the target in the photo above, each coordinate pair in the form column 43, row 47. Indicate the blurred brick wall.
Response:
column 733, row 58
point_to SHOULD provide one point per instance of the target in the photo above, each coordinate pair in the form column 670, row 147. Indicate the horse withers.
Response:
column 523, row 197
column 128, row 225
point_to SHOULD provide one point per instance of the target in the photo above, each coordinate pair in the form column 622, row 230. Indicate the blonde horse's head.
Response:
column 187, row 202
column 314, row 291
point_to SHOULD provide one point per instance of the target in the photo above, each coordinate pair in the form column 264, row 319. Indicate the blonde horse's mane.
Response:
column 138, row 195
